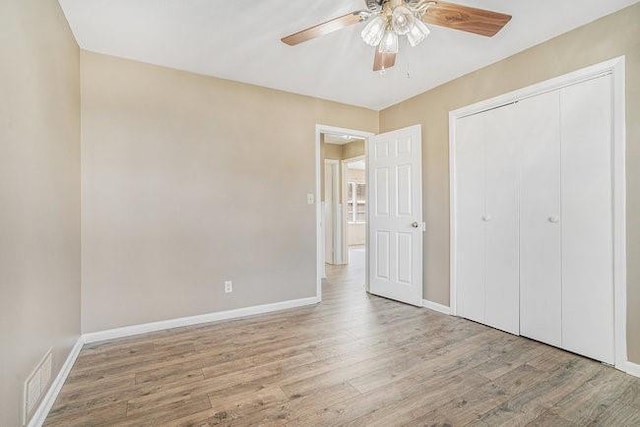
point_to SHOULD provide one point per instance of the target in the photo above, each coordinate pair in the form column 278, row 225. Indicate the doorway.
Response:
column 341, row 203
column 390, row 210
column 354, row 187
column 343, row 198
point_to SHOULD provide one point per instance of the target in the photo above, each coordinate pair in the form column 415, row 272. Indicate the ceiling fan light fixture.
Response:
column 419, row 31
column 402, row 20
column 385, row 21
column 389, row 43
column 374, row 31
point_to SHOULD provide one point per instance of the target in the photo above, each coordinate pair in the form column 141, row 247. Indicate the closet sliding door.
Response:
column 501, row 219
column 533, row 218
column 486, row 219
column 538, row 134
column 587, row 219
column 469, row 201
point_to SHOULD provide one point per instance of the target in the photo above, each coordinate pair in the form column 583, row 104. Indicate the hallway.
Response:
column 352, row 274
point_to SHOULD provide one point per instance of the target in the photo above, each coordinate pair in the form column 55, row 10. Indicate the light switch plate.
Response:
column 310, row 198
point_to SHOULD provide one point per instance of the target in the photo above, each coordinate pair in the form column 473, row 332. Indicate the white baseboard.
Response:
column 632, row 369
column 436, row 307
column 40, row 415
column 144, row 328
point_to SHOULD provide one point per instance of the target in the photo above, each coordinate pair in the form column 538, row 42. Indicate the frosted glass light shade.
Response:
column 389, row 43
column 374, row 31
column 419, row 31
column 402, row 20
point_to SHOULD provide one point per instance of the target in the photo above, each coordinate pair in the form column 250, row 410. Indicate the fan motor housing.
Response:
column 375, row 5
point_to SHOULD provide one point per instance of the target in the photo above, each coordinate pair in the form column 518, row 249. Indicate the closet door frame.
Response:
column 616, row 68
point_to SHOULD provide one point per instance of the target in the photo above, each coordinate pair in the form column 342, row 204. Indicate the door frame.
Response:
column 345, row 225
column 321, row 129
column 616, row 68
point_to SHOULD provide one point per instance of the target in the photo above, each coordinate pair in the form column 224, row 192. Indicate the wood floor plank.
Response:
column 355, row 359
column 631, row 395
column 520, row 379
column 432, row 393
column 101, row 395
column 551, row 419
column 156, row 415
column 618, row 415
column 466, row 408
column 524, row 352
column 297, row 405
column 529, row 404
column 236, row 406
column 101, row 415
column 591, row 399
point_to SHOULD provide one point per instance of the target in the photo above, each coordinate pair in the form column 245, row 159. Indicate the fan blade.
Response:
column 465, row 18
column 324, row 28
column 382, row 61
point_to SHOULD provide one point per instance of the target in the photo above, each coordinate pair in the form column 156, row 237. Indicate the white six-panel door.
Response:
column 395, row 215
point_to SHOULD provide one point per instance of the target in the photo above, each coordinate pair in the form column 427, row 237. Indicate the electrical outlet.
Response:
column 228, row 287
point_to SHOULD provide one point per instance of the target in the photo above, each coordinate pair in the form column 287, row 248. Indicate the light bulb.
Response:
column 402, row 20
column 419, row 31
column 374, row 31
column 389, row 43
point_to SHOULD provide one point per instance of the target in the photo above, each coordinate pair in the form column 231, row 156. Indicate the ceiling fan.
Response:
column 389, row 19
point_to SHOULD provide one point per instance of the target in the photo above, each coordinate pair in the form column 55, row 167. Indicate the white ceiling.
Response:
column 340, row 139
column 240, row 40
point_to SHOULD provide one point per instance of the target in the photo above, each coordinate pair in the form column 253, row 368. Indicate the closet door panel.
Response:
column 538, row 122
column 587, row 252
column 501, row 219
column 468, row 205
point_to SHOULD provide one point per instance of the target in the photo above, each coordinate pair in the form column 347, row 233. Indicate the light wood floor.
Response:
column 354, row 359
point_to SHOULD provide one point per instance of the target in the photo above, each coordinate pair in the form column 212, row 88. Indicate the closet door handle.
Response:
column 554, row 219
column 486, row 218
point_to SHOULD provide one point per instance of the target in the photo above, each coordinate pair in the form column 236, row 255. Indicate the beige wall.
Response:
column 609, row 37
column 39, row 194
column 353, row 149
column 331, row 151
column 189, row 181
